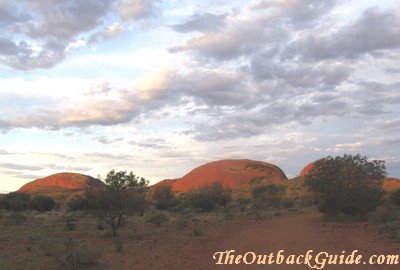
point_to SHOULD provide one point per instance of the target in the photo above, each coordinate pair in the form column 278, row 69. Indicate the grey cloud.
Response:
column 301, row 13
column 235, row 40
column 374, row 31
column 18, row 167
column 201, row 22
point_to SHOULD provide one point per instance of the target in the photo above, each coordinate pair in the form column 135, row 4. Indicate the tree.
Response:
column 265, row 196
column 163, row 197
column 42, row 203
column 348, row 184
column 124, row 192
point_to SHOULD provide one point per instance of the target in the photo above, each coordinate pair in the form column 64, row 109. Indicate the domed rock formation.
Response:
column 307, row 169
column 69, row 182
column 390, row 184
column 229, row 173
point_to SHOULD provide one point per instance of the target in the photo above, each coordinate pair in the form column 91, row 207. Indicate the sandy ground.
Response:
column 170, row 247
column 296, row 234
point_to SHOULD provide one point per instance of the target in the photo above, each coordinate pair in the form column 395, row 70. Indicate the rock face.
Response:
column 390, row 184
column 62, row 182
column 229, row 173
column 306, row 170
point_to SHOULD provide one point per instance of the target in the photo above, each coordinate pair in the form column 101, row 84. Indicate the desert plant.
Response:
column 208, row 197
column 348, row 184
column 181, row 222
column 17, row 218
column 80, row 257
column 125, row 192
column 70, row 222
column 265, row 196
column 163, row 197
column 394, row 197
column 42, row 203
column 158, row 219
column 118, row 244
column 16, row 201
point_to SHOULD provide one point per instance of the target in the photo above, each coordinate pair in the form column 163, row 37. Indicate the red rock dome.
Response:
column 62, row 181
column 229, row 173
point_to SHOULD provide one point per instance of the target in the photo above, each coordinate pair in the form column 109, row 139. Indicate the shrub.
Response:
column 386, row 219
column 158, row 219
column 81, row 257
column 80, row 203
column 17, row 218
column 70, row 223
column 181, row 222
column 42, row 203
column 395, row 197
column 163, row 197
column 347, row 184
column 16, row 201
column 208, row 197
column 265, row 196
column 197, row 232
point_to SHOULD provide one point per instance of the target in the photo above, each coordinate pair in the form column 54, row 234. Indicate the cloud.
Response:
column 40, row 34
column 136, row 9
column 201, row 22
column 19, row 167
column 376, row 30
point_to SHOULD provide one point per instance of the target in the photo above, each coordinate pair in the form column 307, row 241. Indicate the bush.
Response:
column 394, row 197
column 70, row 223
column 163, row 197
column 81, row 257
column 158, row 219
column 42, row 203
column 181, row 222
column 16, row 201
column 80, row 203
column 208, row 197
column 386, row 219
column 265, row 196
column 17, row 218
column 347, row 184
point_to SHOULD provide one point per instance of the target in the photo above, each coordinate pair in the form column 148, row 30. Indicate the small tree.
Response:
column 163, row 197
column 265, row 196
column 348, row 184
column 42, row 203
column 125, row 192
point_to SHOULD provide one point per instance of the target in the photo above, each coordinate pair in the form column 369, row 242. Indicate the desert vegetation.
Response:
column 125, row 213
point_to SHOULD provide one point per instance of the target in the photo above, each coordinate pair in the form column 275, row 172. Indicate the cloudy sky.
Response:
column 159, row 87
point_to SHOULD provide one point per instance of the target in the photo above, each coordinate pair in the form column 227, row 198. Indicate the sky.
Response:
column 160, row 87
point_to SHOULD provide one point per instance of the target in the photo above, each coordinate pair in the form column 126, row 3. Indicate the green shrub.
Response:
column 16, row 201
column 386, row 219
column 181, row 222
column 197, row 232
column 163, row 197
column 394, row 197
column 208, row 197
column 348, row 184
column 17, row 218
column 70, row 222
column 158, row 219
column 42, row 203
column 81, row 257
column 80, row 203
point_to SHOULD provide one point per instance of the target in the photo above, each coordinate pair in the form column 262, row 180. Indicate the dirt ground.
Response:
column 175, row 247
